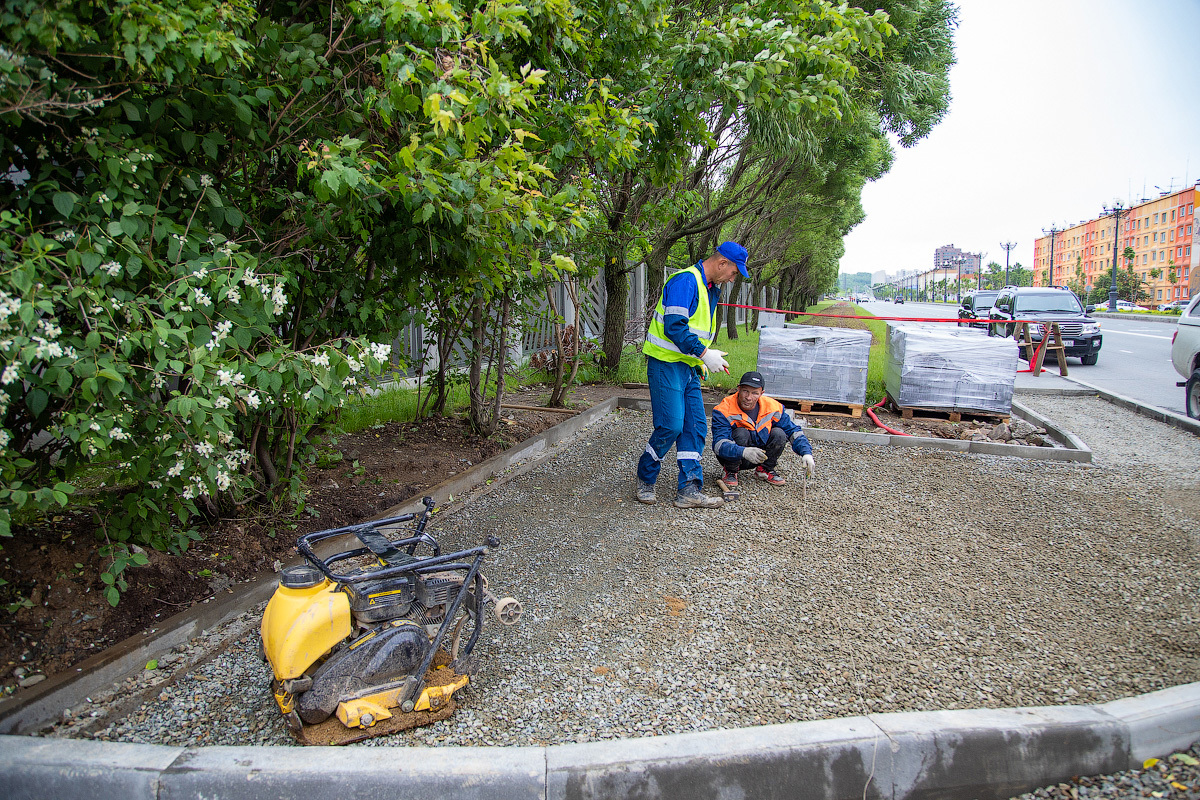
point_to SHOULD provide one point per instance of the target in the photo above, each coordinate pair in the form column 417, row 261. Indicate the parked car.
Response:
column 898, row 299
column 1125, row 305
column 1174, row 305
column 1045, row 304
column 975, row 306
column 1185, row 355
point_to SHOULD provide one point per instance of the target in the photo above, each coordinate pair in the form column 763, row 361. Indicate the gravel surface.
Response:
column 897, row 580
column 1177, row 776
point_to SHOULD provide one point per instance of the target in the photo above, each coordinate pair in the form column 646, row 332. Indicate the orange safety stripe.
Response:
column 770, row 411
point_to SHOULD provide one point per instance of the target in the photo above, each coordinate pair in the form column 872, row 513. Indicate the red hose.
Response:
column 871, row 414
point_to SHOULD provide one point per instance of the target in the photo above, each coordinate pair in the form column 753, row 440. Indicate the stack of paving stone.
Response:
column 809, row 362
column 957, row 369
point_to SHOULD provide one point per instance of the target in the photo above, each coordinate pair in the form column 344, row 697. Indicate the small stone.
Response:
column 1000, row 433
column 32, row 680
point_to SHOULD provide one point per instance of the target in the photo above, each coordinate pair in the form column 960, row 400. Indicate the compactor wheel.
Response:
column 508, row 611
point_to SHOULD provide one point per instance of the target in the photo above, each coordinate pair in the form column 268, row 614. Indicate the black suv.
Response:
column 975, row 307
column 1046, row 304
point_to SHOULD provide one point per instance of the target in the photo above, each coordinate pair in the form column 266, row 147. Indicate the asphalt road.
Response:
column 1135, row 360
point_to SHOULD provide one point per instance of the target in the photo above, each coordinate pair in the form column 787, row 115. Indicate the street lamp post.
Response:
column 1053, row 231
column 1116, row 211
column 1008, row 246
column 958, row 261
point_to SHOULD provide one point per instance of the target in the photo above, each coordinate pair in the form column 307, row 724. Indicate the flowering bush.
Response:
column 216, row 213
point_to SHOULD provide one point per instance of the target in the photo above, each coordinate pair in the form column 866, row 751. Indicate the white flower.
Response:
column 250, row 279
column 175, row 470
column 222, row 480
column 233, row 295
column 95, row 426
column 103, row 198
column 155, row 484
column 11, row 373
column 355, row 366
column 118, row 434
column 308, row 395
column 321, row 359
column 188, row 493
column 42, row 152
column 185, row 308
column 91, row 449
column 49, row 328
column 112, row 268
column 65, row 236
column 200, row 273
column 203, row 448
column 224, row 327
column 221, row 402
column 381, row 351
column 9, row 305
column 253, row 400
column 206, row 180
column 225, row 437
column 201, row 298
column 227, row 377
column 4, row 438
column 350, row 381
column 3, row 399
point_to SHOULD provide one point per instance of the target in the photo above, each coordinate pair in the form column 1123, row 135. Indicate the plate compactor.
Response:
column 381, row 645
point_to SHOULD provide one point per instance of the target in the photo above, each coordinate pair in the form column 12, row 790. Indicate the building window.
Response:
column 1189, row 208
column 1172, row 234
column 1143, row 258
column 1156, row 219
column 1159, row 295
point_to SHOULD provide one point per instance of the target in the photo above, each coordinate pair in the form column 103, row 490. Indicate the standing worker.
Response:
column 750, row 431
column 677, row 348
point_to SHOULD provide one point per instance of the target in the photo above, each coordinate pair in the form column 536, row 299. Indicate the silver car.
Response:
column 1185, row 355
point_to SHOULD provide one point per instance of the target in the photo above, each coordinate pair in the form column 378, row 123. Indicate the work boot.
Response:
column 645, row 493
column 731, row 478
column 690, row 496
column 770, row 476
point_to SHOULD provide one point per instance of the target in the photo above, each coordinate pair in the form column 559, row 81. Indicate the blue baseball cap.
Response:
column 737, row 254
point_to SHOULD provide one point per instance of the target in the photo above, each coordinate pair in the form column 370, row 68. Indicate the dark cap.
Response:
column 753, row 380
column 737, row 254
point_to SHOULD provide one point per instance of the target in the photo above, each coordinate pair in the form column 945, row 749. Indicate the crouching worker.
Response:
column 749, row 431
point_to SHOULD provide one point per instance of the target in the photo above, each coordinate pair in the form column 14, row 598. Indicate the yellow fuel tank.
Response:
column 302, row 624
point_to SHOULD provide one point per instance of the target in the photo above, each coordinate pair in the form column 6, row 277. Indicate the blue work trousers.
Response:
column 679, row 421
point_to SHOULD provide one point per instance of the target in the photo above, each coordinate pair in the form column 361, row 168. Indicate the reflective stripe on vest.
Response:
column 703, row 324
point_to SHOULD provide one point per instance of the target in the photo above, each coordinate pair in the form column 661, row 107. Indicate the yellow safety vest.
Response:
column 703, row 323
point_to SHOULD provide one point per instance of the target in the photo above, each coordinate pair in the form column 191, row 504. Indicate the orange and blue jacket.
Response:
column 727, row 415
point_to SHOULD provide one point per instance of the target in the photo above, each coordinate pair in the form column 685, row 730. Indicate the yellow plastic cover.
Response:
column 301, row 625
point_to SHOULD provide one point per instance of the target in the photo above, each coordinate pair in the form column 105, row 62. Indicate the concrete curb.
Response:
column 1153, row 412
column 981, row 753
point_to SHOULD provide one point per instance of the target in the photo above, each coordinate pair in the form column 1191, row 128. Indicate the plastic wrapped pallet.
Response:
column 809, row 362
column 957, row 369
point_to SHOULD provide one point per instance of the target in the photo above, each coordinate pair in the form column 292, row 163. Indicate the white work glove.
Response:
column 810, row 466
column 715, row 360
column 755, row 455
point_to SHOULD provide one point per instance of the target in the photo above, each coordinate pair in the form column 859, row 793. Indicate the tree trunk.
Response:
column 616, row 291
column 730, row 311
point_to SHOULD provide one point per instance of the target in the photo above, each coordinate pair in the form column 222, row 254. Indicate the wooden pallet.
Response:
column 822, row 409
column 947, row 414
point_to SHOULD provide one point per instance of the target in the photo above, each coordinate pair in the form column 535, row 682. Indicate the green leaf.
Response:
column 134, row 115
column 152, row 664
column 36, row 401
column 64, row 202
column 112, row 596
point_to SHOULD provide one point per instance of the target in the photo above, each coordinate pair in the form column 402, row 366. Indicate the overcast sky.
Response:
column 1059, row 107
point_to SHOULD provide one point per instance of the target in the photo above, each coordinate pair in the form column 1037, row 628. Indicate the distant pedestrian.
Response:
column 677, row 353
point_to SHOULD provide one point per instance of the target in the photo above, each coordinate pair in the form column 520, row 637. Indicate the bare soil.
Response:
column 55, row 562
